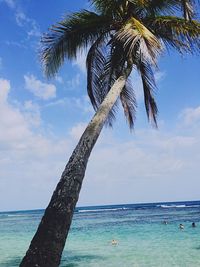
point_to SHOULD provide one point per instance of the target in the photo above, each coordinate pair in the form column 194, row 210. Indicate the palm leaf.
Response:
column 120, row 33
column 176, row 32
column 128, row 101
column 188, row 9
column 111, row 8
column 101, row 69
column 113, row 68
column 149, row 86
column 105, row 64
column 68, row 37
column 135, row 37
column 95, row 63
column 155, row 7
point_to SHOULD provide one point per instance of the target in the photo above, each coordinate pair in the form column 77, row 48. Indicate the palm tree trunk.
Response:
column 47, row 245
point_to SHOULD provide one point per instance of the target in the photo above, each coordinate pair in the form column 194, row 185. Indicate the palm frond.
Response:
column 119, row 33
column 128, row 101
column 111, row 8
column 176, row 32
column 95, row 63
column 98, row 75
column 149, row 86
column 153, row 8
column 136, row 37
column 188, row 9
column 105, row 64
column 65, row 39
column 113, row 68
column 158, row 7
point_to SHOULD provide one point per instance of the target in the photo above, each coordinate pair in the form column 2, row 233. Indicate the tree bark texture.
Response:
column 48, row 243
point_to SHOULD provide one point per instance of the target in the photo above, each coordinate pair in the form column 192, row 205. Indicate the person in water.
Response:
column 181, row 226
column 114, row 242
column 193, row 224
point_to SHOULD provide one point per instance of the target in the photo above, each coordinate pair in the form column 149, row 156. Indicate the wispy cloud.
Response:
column 40, row 89
column 80, row 103
column 80, row 61
column 73, row 103
column 29, row 25
column 77, row 130
column 10, row 3
column 32, row 113
column 159, row 76
column 20, row 44
column 59, row 79
column 74, row 82
column 4, row 90
column 191, row 116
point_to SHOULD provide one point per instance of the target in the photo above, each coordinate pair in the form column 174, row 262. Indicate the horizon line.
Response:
column 104, row 205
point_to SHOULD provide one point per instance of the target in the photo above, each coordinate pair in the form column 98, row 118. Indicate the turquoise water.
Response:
column 143, row 239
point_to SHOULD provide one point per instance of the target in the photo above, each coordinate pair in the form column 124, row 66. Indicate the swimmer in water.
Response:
column 181, row 226
column 193, row 224
column 114, row 242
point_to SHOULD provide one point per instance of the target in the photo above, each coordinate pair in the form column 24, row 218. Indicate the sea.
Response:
column 146, row 235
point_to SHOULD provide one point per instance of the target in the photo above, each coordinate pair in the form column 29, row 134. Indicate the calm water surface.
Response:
column 143, row 239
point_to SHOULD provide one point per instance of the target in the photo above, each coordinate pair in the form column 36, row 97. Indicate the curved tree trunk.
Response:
column 47, row 245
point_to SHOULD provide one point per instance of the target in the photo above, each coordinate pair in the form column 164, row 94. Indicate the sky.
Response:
column 42, row 120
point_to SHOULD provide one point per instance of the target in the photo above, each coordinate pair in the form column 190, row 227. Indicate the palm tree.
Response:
column 119, row 35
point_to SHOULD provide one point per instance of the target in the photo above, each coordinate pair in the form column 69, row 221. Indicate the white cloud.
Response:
column 26, row 154
column 32, row 113
column 80, row 61
column 149, row 166
column 20, row 19
column 191, row 116
column 17, row 44
column 153, row 166
column 82, row 103
column 159, row 76
column 77, row 130
column 74, row 82
column 59, row 79
column 10, row 3
column 30, row 25
column 59, row 102
column 4, row 90
column 40, row 89
column 14, row 123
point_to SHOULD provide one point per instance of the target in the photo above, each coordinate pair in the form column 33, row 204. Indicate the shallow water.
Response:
column 143, row 239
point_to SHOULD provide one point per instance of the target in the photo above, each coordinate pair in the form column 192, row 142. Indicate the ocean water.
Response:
column 143, row 239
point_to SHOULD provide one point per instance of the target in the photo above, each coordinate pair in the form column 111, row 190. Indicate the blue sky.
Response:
column 41, row 121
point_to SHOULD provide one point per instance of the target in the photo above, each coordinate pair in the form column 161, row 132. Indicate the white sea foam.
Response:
column 178, row 206
column 100, row 210
column 172, row 206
